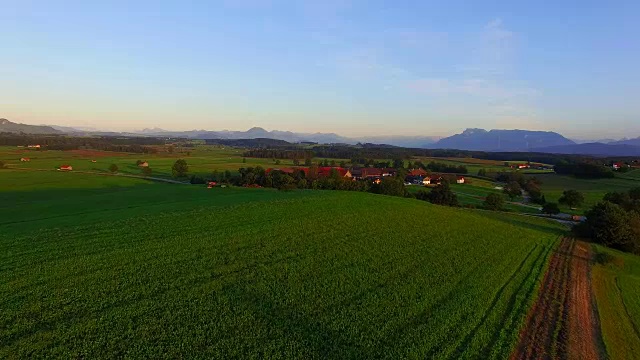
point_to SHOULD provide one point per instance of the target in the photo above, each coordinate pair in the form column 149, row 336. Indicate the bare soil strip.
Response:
column 562, row 324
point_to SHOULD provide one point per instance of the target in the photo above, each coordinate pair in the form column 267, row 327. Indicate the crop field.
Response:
column 616, row 282
column 141, row 269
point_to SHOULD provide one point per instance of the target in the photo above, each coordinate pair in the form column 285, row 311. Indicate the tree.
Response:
column 113, row 168
column 442, row 195
column 391, row 186
column 307, row 162
column 170, row 149
column 634, row 193
column 180, row 168
column 244, row 160
column 277, row 162
column 146, row 171
column 482, row 172
column 610, row 225
column 398, row 164
column 493, row 202
column 571, row 198
column 550, row 208
column 2, row 165
column 296, row 162
column 513, row 189
column 138, row 162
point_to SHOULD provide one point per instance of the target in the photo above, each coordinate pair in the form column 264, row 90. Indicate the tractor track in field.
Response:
column 563, row 323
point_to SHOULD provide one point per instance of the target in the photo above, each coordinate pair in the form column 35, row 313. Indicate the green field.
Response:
column 593, row 189
column 95, row 266
column 616, row 282
column 202, row 160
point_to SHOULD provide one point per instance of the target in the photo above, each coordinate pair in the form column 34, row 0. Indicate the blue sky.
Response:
column 351, row 67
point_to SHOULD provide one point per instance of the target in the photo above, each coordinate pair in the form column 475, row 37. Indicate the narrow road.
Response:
column 562, row 324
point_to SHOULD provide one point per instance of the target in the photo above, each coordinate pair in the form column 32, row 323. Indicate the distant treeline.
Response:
column 138, row 145
column 584, row 169
column 362, row 153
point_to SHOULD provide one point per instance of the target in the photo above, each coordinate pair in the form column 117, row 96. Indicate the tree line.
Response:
column 140, row 145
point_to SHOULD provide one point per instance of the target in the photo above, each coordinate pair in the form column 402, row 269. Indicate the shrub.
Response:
column 113, row 168
column 442, row 195
column 551, row 208
column 494, row 202
column 571, row 198
column 180, row 168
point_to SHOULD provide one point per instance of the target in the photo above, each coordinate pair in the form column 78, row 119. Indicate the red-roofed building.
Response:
column 24, row 159
column 417, row 172
column 618, row 165
column 66, row 168
column 460, row 180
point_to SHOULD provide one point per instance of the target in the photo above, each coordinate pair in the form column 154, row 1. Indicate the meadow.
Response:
column 97, row 266
column 593, row 189
column 616, row 282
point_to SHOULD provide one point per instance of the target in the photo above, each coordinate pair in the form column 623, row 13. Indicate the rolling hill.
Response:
column 160, row 270
column 11, row 127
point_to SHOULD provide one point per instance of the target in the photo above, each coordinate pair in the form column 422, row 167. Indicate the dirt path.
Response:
column 563, row 324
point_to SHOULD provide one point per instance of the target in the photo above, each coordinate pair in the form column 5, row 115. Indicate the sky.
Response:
column 357, row 68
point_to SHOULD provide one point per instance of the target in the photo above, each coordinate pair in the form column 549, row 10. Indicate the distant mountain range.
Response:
column 470, row 139
column 502, row 140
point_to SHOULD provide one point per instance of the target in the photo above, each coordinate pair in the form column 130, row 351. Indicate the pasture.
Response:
column 138, row 269
column 593, row 189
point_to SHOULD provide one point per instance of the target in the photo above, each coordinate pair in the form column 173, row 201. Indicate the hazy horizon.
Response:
column 353, row 68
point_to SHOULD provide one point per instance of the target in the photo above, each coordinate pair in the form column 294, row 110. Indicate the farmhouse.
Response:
column 25, row 159
column 211, row 184
column 460, row 180
column 144, row 164
column 66, row 168
column 34, row 146
column 94, row 161
column 618, row 166
column 434, row 179
column 417, row 172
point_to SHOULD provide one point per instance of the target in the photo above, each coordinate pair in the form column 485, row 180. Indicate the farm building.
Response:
column 34, row 146
column 66, row 168
column 417, row 172
column 618, row 165
column 460, row 180
column 94, row 161
column 434, row 179
column 212, row 184
column 25, row 159
column 371, row 173
column 144, row 164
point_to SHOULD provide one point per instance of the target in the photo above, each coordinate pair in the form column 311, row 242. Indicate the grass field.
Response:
column 593, row 189
column 93, row 266
column 474, row 165
column 202, row 160
column 616, row 284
